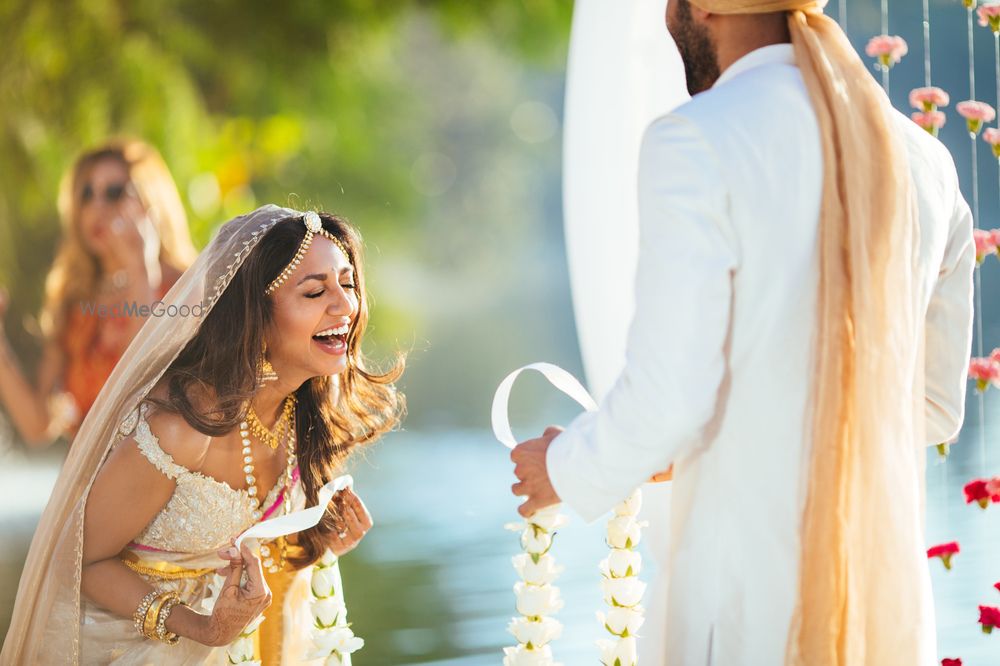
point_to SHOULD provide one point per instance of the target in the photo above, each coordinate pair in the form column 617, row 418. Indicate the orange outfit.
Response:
column 92, row 350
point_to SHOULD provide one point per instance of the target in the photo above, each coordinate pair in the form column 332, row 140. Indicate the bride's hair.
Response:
column 219, row 367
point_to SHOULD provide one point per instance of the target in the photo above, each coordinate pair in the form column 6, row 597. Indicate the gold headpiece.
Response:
column 313, row 226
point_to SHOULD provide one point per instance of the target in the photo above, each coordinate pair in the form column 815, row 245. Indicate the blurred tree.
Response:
column 305, row 103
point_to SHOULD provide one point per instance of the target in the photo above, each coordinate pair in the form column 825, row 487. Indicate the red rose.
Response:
column 951, row 662
column 997, row 585
column 989, row 617
column 977, row 491
column 944, row 551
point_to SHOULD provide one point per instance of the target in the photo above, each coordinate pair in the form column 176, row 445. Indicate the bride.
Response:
column 233, row 405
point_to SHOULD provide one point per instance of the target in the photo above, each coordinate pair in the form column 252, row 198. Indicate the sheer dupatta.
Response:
column 864, row 592
column 45, row 628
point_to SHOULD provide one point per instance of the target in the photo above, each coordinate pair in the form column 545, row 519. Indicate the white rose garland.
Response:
column 333, row 639
column 621, row 585
column 537, row 597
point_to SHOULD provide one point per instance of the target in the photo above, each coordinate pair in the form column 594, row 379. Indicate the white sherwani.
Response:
column 717, row 376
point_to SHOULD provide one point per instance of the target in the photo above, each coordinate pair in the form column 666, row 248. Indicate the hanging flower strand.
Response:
column 887, row 50
column 621, row 585
column 976, row 114
column 982, row 491
column 944, row 552
column 537, row 597
column 989, row 16
column 992, row 136
column 986, row 243
column 927, row 101
column 985, row 372
column 989, row 617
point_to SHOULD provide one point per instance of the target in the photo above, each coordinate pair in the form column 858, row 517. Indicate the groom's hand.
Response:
column 533, row 474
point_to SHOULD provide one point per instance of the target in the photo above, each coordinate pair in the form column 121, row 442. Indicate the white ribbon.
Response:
column 556, row 376
column 299, row 520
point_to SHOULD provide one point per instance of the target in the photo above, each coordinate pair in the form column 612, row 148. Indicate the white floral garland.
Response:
column 621, row 585
column 333, row 639
column 537, row 597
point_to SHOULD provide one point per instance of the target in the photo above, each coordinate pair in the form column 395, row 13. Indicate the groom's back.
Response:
column 763, row 148
column 766, row 154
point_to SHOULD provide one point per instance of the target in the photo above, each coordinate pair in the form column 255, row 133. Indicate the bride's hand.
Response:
column 237, row 605
column 347, row 524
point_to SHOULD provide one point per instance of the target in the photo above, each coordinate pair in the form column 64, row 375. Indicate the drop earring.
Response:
column 267, row 373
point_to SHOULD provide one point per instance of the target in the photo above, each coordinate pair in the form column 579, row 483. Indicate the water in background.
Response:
column 432, row 583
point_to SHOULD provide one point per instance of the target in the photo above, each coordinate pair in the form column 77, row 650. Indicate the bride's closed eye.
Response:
column 317, row 294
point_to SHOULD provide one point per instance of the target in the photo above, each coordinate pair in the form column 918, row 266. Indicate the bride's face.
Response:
column 313, row 313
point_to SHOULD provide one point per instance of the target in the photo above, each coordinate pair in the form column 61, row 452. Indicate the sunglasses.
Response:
column 112, row 193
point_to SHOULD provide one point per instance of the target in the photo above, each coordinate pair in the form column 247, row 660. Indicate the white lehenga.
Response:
column 177, row 551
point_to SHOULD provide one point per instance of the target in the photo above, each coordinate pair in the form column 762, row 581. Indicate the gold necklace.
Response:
column 281, row 429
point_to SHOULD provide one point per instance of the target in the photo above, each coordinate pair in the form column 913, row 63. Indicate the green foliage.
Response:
column 312, row 104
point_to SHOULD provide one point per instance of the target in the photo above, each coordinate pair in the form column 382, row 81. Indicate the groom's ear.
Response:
column 700, row 15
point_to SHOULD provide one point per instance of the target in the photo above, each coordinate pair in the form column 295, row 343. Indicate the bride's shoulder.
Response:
column 177, row 438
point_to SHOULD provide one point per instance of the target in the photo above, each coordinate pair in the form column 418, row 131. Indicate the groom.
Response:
column 802, row 330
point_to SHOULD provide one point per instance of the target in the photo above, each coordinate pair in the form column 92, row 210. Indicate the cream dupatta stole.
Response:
column 52, row 623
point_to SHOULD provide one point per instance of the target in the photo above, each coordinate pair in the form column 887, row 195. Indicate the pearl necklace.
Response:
column 251, row 479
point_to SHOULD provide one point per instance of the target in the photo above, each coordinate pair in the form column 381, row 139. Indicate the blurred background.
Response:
column 435, row 127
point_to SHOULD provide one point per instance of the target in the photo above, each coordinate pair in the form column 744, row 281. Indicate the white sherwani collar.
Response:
column 775, row 54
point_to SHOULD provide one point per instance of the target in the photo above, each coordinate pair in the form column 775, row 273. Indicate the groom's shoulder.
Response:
column 927, row 155
column 755, row 105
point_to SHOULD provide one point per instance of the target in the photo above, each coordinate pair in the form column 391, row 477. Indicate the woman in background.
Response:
column 125, row 241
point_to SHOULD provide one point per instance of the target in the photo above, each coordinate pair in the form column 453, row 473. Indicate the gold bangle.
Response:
column 139, row 616
column 162, row 634
column 149, row 623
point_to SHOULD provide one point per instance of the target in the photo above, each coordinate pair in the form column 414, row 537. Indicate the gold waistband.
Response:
column 164, row 570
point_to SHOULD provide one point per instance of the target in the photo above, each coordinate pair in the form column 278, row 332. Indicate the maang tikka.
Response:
column 314, row 226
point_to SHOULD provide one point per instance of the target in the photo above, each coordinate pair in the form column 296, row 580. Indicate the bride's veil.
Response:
column 46, row 620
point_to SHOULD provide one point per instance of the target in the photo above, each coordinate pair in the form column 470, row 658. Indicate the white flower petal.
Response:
column 624, row 532
column 545, row 570
column 537, row 600
column 536, row 633
column 631, row 505
column 522, row 656
column 327, row 612
column 623, row 591
column 328, row 559
column 618, row 652
column 324, row 582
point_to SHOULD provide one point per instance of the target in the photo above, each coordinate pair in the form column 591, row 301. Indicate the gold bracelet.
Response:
column 149, row 624
column 139, row 616
column 162, row 634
